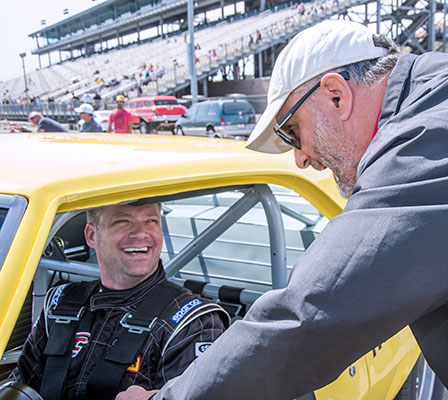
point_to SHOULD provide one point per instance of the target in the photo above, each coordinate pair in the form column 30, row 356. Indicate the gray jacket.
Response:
column 379, row 266
column 91, row 126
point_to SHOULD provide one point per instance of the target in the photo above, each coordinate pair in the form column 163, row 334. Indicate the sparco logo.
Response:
column 200, row 347
column 57, row 295
column 81, row 340
column 176, row 318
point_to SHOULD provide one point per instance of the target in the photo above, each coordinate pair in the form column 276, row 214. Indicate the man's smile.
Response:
column 136, row 249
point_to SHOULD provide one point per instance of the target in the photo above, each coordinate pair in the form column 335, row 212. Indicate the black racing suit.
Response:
column 162, row 357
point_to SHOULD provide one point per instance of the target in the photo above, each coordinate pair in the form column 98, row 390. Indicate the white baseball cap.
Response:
column 313, row 51
column 85, row 108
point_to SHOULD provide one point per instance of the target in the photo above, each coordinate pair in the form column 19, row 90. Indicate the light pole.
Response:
column 191, row 55
column 23, row 55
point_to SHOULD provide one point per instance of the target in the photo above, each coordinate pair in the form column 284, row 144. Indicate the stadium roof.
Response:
column 114, row 18
column 109, row 9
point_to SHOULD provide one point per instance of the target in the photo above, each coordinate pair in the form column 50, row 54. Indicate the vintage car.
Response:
column 155, row 112
column 230, row 216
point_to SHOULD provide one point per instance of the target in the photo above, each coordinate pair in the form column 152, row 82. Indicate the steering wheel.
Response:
column 18, row 391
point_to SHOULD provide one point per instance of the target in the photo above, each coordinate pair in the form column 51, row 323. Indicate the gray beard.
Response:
column 345, row 187
column 342, row 162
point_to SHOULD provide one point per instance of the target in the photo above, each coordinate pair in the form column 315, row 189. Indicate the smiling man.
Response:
column 133, row 327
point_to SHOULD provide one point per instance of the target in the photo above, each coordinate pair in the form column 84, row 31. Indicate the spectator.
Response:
column 45, row 124
column 251, row 41
column 85, row 111
column 87, row 98
column 120, row 120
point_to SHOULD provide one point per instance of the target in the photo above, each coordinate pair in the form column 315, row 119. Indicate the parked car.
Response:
column 155, row 112
column 101, row 117
column 13, row 127
column 218, row 118
column 230, row 217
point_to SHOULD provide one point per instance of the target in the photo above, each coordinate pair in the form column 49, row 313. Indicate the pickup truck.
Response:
column 155, row 112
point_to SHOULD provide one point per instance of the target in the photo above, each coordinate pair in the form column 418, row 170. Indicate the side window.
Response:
column 140, row 104
column 213, row 110
column 132, row 105
column 12, row 209
column 202, row 110
column 191, row 112
column 201, row 247
column 241, row 256
column 236, row 107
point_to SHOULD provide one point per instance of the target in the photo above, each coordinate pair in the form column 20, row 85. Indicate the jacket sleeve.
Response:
column 31, row 363
column 377, row 267
column 187, row 345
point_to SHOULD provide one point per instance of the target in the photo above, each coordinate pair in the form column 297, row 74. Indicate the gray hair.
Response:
column 365, row 72
column 93, row 216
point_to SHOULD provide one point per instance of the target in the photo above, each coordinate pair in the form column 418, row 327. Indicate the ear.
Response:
column 90, row 235
column 338, row 95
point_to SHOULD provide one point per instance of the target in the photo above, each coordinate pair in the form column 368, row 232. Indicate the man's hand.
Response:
column 135, row 393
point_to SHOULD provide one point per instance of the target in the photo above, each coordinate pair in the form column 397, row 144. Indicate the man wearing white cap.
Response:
column 344, row 99
column 86, row 113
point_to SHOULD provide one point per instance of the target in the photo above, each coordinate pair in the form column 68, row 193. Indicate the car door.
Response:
column 201, row 119
column 135, row 117
column 213, row 115
column 387, row 364
column 352, row 384
column 188, row 120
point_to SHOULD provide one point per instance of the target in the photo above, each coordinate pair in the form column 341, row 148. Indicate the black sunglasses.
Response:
column 278, row 127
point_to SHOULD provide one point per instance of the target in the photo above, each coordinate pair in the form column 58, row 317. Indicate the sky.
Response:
column 22, row 17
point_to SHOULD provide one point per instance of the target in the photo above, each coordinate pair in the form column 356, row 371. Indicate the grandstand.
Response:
column 220, row 45
column 126, row 68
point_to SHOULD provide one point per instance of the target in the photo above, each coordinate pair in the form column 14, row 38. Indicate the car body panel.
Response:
column 352, row 384
column 383, row 376
column 102, row 118
column 59, row 173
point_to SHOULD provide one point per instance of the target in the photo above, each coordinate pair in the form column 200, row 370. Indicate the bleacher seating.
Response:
column 220, row 44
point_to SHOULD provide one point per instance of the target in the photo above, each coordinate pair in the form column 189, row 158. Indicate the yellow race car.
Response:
column 229, row 215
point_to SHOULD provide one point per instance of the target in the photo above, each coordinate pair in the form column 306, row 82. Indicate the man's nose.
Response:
column 302, row 160
column 139, row 230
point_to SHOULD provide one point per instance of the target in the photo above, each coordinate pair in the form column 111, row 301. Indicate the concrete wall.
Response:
column 255, row 90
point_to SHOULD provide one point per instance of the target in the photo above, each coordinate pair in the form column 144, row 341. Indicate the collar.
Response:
column 375, row 128
column 398, row 85
column 397, row 88
column 107, row 298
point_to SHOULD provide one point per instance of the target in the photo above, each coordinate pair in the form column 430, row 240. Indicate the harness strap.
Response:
column 197, row 313
column 229, row 297
column 107, row 376
column 67, row 315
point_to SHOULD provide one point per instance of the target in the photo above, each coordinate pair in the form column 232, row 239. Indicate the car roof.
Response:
column 220, row 101
column 71, row 169
column 153, row 98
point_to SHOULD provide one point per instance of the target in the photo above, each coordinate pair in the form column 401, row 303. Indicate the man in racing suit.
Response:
column 133, row 327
